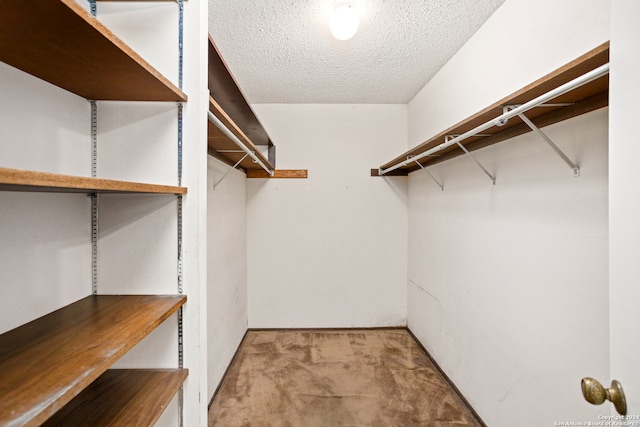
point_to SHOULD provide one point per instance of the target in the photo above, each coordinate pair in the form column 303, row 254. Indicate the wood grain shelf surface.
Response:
column 47, row 362
column 122, row 397
column 223, row 148
column 60, row 42
column 30, row 181
column 584, row 99
column 279, row 173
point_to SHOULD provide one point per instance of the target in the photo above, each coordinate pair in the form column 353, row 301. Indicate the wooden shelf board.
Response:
column 586, row 98
column 61, row 43
column 226, row 91
column 279, row 173
column 23, row 180
column 47, row 362
column 218, row 141
column 126, row 397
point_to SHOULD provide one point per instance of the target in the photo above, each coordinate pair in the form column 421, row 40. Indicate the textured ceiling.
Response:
column 281, row 51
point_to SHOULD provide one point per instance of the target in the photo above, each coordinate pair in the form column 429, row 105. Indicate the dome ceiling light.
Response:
column 344, row 20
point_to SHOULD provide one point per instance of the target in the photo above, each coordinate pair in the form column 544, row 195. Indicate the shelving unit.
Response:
column 586, row 98
column 48, row 361
column 56, row 368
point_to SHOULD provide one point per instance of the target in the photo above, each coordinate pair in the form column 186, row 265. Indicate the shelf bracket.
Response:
column 94, row 243
column 180, row 41
column 94, row 198
column 230, row 169
column 559, row 152
column 448, row 138
column 505, row 109
column 93, row 7
column 432, row 177
column 94, row 138
column 180, row 247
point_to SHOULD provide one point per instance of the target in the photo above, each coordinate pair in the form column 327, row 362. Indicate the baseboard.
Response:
column 226, row 371
column 447, row 379
column 364, row 328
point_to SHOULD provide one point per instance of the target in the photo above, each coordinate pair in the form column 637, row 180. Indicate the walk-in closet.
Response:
column 319, row 213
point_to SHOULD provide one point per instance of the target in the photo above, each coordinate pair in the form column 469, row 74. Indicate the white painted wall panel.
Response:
column 137, row 141
column 44, row 128
column 500, row 277
column 46, row 245
column 329, row 251
column 227, row 268
column 624, row 205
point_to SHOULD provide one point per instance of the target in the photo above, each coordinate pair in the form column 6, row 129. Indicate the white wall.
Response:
column 46, row 244
column 624, row 205
column 227, row 268
column 502, row 278
column 508, row 283
column 329, row 251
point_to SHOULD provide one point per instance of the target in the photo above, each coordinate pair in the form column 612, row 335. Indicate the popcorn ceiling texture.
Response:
column 281, row 51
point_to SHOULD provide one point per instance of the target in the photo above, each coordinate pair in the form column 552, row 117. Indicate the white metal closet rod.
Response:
column 213, row 119
column 560, row 90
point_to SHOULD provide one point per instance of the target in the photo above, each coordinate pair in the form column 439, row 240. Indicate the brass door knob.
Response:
column 595, row 393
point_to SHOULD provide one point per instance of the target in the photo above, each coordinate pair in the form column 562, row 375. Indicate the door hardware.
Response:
column 595, row 393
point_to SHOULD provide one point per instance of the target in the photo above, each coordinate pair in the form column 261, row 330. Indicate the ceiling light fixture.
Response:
column 344, row 20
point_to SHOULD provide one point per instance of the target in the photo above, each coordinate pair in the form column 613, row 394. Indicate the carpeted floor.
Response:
column 335, row 378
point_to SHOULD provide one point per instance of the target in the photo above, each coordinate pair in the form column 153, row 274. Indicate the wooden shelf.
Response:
column 230, row 106
column 226, row 91
column 125, row 397
column 48, row 361
column 22, row 180
column 219, row 144
column 584, row 99
column 279, row 173
column 61, row 43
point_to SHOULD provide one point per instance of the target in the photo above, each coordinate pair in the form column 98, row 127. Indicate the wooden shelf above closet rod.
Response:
column 226, row 139
column 582, row 99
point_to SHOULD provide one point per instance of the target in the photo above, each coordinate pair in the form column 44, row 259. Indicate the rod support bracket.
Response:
column 448, row 138
column 559, row 152
column 432, row 177
column 215, row 184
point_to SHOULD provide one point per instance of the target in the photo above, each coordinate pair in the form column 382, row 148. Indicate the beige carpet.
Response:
column 335, row 378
